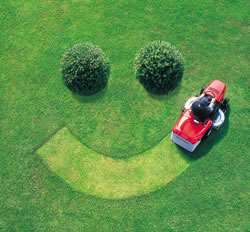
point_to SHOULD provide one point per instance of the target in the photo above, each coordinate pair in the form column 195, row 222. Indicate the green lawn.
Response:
column 123, row 122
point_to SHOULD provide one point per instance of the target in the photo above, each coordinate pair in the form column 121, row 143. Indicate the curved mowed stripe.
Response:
column 90, row 172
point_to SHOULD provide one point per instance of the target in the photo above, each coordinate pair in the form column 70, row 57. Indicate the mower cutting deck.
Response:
column 200, row 115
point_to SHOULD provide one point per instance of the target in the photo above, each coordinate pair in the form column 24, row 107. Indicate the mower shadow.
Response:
column 206, row 145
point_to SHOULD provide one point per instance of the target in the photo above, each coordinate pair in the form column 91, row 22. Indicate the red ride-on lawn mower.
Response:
column 201, row 115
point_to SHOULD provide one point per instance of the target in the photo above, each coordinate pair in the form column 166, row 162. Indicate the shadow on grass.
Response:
column 206, row 145
column 90, row 98
column 163, row 96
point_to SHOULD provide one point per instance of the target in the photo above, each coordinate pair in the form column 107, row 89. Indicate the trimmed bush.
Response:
column 159, row 67
column 85, row 69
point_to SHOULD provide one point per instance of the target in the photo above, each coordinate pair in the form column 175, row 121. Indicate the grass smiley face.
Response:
column 117, row 145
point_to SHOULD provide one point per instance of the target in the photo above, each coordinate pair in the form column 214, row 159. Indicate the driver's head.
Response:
column 200, row 108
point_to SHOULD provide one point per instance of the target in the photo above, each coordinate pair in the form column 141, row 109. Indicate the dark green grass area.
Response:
column 212, row 195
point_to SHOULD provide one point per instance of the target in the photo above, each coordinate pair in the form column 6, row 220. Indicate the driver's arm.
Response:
column 211, row 105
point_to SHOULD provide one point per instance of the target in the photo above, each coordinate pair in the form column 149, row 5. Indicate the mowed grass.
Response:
column 211, row 195
column 96, row 174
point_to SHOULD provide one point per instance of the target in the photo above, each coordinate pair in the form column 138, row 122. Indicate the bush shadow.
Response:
column 164, row 96
column 207, row 144
column 89, row 98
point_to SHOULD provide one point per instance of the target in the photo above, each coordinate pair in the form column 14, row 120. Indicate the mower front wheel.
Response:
column 225, row 105
column 202, row 89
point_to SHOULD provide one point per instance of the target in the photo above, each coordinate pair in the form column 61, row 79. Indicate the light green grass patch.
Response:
column 88, row 171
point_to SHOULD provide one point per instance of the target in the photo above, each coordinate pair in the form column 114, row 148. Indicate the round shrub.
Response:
column 159, row 67
column 85, row 69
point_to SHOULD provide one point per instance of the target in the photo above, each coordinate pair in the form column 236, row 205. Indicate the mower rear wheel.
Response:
column 208, row 133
